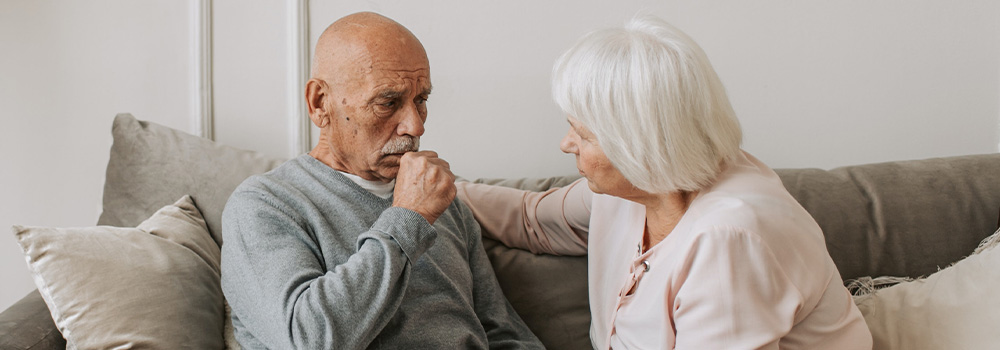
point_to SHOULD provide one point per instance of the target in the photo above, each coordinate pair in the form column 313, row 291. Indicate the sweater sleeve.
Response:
column 733, row 294
column 504, row 328
column 281, row 292
column 552, row 222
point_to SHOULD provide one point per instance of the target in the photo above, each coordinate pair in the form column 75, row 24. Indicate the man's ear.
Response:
column 317, row 93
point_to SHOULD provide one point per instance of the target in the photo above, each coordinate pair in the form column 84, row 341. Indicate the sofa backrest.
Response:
column 904, row 218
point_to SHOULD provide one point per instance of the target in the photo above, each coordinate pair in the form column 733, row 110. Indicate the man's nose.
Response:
column 411, row 122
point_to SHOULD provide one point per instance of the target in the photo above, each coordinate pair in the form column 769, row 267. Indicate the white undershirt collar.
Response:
column 381, row 189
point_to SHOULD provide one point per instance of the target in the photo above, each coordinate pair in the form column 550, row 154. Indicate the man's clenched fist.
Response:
column 424, row 184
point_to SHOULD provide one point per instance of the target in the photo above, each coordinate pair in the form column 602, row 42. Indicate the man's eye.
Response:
column 389, row 104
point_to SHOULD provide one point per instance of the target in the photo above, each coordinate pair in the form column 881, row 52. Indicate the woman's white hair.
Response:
column 652, row 98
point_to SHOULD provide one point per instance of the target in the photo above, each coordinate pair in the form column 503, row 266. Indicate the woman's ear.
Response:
column 317, row 93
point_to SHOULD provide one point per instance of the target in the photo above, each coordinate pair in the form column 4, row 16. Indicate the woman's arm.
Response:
column 552, row 222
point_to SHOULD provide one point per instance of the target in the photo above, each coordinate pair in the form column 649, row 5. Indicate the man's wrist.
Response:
column 408, row 228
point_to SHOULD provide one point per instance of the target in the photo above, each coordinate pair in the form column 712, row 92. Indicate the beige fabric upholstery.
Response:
column 152, row 165
column 155, row 286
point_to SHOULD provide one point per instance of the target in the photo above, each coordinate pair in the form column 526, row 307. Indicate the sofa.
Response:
column 908, row 219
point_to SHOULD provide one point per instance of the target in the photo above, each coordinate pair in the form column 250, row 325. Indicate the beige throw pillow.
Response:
column 955, row 308
column 155, row 286
column 151, row 165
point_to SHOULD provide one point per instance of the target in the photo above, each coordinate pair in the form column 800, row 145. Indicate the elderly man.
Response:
column 360, row 243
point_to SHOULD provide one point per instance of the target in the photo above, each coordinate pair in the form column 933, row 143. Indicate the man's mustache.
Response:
column 401, row 144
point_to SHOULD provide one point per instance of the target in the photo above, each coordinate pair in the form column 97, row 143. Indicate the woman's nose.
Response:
column 568, row 145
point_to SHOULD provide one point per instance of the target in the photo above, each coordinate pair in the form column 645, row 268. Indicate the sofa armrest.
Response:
column 28, row 325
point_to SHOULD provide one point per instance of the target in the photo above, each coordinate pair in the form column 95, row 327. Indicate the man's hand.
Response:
column 424, row 184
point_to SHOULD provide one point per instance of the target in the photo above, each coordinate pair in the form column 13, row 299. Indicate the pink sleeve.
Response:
column 733, row 295
column 551, row 222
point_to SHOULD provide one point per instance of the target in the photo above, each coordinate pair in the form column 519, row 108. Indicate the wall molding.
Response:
column 299, row 127
column 202, row 117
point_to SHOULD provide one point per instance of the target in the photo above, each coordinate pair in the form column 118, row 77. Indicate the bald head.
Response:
column 355, row 40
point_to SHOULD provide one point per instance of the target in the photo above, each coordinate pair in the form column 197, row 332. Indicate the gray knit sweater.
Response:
column 313, row 261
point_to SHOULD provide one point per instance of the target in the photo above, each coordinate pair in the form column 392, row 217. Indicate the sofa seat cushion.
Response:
column 26, row 325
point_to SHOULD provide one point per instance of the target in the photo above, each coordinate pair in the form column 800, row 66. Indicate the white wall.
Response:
column 821, row 84
column 66, row 68
column 249, row 75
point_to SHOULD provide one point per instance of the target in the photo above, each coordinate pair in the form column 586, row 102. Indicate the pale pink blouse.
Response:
column 745, row 268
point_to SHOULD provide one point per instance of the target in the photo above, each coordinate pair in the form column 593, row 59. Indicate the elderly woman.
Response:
column 691, row 242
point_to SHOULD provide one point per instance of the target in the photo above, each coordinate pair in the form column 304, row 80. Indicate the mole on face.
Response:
column 343, row 102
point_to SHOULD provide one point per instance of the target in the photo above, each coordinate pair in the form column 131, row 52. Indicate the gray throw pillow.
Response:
column 152, row 165
column 155, row 286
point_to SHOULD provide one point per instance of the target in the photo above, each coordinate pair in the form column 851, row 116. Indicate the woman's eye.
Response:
column 421, row 101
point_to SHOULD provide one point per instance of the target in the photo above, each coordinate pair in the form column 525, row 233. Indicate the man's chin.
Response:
column 388, row 173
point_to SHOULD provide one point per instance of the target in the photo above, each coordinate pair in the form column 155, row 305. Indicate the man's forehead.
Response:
column 402, row 66
column 393, row 86
column 368, row 57
column 370, row 70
